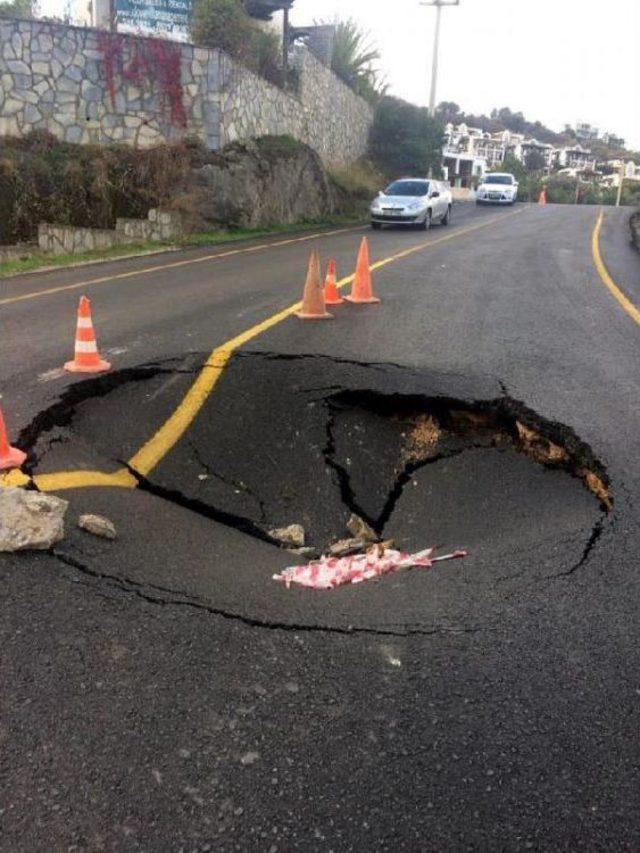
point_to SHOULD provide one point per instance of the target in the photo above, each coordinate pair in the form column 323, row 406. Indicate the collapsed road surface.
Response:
column 161, row 692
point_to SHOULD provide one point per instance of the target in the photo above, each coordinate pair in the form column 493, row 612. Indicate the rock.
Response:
column 360, row 529
column 289, row 537
column 347, row 546
column 256, row 183
column 98, row 525
column 30, row 520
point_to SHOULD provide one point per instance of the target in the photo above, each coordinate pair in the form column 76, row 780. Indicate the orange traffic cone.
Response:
column 87, row 358
column 10, row 457
column 331, row 295
column 313, row 305
column 362, row 289
column 543, row 197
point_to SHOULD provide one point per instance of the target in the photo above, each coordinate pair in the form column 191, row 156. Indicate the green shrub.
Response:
column 17, row 9
column 43, row 180
column 225, row 25
column 405, row 139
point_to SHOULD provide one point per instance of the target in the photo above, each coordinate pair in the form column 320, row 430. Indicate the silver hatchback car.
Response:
column 412, row 201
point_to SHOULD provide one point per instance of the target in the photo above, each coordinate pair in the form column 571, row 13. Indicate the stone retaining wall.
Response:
column 89, row 86
column 67, row 239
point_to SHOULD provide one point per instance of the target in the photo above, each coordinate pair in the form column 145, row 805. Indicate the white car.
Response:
column 412, row 201
column 497, row 188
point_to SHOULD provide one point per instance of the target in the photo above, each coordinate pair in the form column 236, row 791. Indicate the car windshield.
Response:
column 498, row 179
column 408, row 188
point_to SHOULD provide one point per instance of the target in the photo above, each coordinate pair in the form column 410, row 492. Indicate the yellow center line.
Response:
column 154, row 451
column 609, row 283
column 36, row 294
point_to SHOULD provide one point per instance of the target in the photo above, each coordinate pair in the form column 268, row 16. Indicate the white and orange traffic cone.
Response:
column 313, row 305
column 10, row 457
column 362, row 288
column 87, row 358
column 331, row 295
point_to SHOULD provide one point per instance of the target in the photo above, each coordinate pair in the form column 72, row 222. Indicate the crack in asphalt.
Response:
column 232, row 484
column 596, row 534
column 229, row 519
column 155, row 595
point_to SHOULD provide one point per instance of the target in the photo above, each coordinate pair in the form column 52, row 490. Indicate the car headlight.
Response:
column 416, row 205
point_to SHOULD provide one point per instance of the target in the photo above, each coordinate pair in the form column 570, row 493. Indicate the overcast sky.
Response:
column 556, row 60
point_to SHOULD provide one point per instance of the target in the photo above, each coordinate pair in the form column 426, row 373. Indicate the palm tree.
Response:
column 353, row 58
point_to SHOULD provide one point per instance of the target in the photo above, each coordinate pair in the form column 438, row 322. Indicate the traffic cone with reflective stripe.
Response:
column 331, row 295
column 10, row 457
column 313, row 305
column 543, row 197
column 87, row 358
column 362, row 289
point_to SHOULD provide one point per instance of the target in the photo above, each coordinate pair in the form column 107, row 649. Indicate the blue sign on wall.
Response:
column 155, row 17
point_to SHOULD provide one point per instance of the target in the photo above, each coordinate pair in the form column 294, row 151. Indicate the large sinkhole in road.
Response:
column 425, row 459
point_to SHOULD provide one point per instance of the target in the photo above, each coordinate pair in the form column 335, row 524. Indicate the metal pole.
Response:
column 619, row 196
column 434, row 68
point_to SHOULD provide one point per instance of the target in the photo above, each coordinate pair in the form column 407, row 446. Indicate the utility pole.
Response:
column 286, row 44
column 436, row 47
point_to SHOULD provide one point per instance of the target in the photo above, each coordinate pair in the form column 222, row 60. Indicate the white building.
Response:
column 576, row 157
column 524, row 148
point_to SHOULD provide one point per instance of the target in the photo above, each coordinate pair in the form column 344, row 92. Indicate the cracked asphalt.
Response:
column 162, row 693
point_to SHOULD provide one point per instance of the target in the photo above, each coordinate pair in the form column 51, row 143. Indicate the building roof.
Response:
column 264, row 9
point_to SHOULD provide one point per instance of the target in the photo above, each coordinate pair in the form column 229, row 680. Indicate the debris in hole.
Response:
column 97, row 525
column 309, row 553
column 540, row 449
column 344, row 547
column 331, row 572
column 292, row 536
column 30, row 520
column 360, row 529
column 598, row 488
column 423, row 438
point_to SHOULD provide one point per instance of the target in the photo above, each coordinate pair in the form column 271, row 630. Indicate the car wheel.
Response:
column 376, row 226
column 426, row 225
column 446, row 219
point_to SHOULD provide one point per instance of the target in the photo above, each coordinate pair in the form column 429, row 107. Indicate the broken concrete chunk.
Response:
column 345, row 547
column 360, row 529
column 98, row 525
column 30, row 520
column 289, row 537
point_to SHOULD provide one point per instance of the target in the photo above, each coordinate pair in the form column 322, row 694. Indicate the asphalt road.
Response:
column 162, row 693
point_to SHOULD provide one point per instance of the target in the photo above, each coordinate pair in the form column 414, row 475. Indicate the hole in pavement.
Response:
column 309, row 440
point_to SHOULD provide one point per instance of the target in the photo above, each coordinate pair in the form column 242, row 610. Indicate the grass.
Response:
column 42, row 260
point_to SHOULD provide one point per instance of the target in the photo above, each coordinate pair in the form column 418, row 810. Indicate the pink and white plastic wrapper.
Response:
column 330, row 572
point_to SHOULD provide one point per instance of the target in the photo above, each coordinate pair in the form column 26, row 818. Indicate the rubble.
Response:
column 30, row 520
column 360, row 529
column 292, row 536
column 97, row 525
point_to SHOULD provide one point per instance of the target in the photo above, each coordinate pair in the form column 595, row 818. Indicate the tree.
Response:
column 448, row 111
column 535, row 161
column 405, row 139
column 353, row 58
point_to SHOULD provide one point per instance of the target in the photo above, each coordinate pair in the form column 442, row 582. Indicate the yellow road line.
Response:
column 36, row 294
column 609, row 283
column 154, row 451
